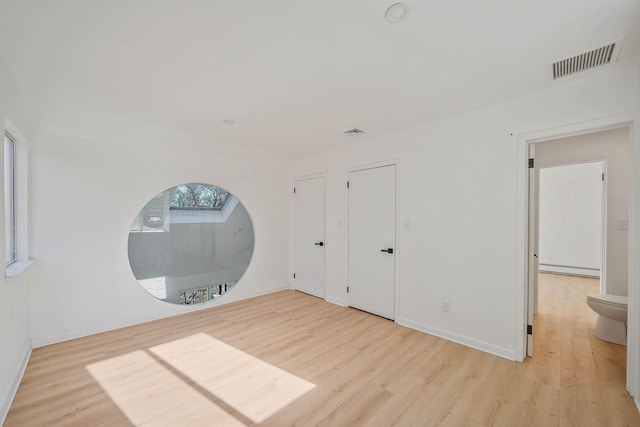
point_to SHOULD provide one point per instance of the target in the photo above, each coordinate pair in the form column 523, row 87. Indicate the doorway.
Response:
column 604, row 156
column 372, row 240
column 568, row 238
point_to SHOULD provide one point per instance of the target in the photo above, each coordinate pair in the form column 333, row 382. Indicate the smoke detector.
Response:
column 396, row 13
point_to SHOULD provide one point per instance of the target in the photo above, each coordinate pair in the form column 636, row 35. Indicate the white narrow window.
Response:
column 9, row 199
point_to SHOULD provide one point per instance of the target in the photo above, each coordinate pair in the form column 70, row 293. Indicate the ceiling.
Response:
column 294, row 75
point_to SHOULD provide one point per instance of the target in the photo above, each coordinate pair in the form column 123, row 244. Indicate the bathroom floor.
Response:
column 589, row 372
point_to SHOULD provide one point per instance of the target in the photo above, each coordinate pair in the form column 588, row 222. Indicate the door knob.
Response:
column 319, row 243
column 389, row 251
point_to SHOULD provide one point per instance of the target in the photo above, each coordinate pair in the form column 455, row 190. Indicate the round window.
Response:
column 191, row 243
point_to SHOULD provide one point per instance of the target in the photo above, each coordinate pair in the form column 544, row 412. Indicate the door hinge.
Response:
column 347, row 184
column 294, row 190
column 294, row 275
column 347, row 289
column 529, row 329
column 603, row 176
column 531, row 163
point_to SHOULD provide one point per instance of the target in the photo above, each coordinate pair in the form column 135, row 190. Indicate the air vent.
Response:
column 584, row 61
column 353, row 132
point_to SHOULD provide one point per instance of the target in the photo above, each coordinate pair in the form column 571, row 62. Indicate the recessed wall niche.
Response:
column 191, row 243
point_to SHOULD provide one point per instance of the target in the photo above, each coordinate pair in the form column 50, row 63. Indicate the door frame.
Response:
column 322, row 175
column 630, row 120
column 361, row 167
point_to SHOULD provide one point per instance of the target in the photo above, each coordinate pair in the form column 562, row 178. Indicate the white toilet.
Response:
column 612, row 317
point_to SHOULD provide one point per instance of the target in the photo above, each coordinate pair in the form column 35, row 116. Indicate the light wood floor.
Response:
column 290, row 359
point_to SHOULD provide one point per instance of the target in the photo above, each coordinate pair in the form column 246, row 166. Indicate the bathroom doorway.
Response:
column 561, row 162
column 564, row 270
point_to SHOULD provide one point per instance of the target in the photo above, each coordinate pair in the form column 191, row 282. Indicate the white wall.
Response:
column 86, row 191
column 570, row 218
column 457, row 198
column 15, row 341
column 614, row 147
column 458, row 205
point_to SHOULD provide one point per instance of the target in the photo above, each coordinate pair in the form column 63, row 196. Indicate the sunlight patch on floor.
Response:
column 197, row 380
column 251, row 386
column 150, row 395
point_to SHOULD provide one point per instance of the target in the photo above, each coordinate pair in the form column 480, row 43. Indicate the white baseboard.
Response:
column 460, row 339
column 574, row 271
column 637, row 400
column 336, row 301
column 92, row 330
column 9, row 394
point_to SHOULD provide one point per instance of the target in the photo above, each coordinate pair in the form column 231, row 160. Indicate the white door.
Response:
column 372, row 233
column 309, row 236
column 533, row 249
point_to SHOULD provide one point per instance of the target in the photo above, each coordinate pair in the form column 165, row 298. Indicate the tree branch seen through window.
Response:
column 199, row 196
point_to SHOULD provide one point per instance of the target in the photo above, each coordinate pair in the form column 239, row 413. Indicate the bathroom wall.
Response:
column 570, row 218
column 614, row 147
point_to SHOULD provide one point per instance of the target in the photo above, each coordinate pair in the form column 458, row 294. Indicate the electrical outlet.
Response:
column 444, row 306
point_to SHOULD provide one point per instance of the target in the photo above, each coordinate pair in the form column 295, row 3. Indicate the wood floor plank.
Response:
column 582, row 405
column 290, row 359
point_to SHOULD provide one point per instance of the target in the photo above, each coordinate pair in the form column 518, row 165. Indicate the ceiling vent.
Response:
column 584, row 61
column 353, row 132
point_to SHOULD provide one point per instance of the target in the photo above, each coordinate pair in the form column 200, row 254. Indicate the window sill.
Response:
column 17, row 268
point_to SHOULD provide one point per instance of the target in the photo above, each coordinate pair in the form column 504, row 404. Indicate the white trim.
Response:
column 503, row 352
column 132, row 321
column 546, row 165
column 17, row 268
column 631, row 120
column 21, row 195
column 10, row 393
column 310, row 176
column 574, row 271
column 10, row 237
column 604, row 227
column 373, row 165
column 633, row 319
column 336, row 301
